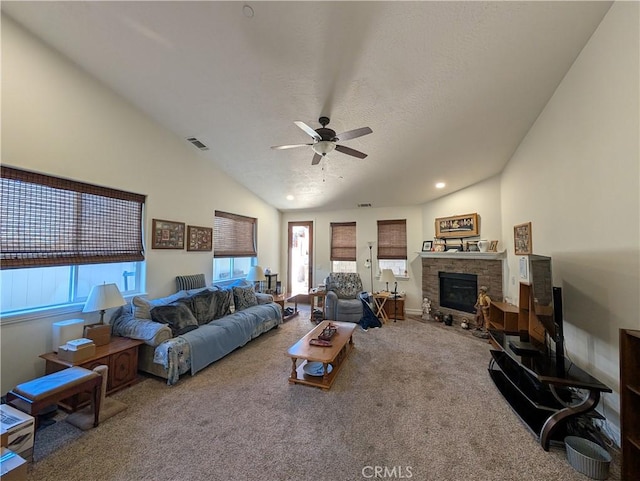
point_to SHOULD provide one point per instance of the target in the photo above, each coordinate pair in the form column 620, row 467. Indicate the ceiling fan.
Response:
column 325, row 140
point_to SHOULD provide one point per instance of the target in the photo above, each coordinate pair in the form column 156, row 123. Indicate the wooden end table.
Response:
column 281, row 299
column 120, row 355
column 317, row 297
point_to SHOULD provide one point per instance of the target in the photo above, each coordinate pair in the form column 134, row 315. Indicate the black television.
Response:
column 547, row 305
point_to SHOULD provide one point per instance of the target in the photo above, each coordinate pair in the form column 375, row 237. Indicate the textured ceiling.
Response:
column 448, row 88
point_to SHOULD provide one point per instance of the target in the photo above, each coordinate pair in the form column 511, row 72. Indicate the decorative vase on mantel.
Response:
column 483, row 245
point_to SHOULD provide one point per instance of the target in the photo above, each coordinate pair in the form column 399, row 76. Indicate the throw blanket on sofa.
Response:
column 218, row 338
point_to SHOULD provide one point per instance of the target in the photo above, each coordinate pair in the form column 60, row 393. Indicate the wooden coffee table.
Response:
column 333, row 356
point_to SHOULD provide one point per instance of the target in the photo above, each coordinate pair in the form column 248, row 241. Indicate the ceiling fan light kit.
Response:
column 325, row 140
column 323, row 147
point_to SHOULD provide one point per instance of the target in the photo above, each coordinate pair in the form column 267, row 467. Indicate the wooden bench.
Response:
column 33, row 396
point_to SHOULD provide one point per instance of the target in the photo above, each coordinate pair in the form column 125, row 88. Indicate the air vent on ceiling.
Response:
column 364, row 205
column 197, row 143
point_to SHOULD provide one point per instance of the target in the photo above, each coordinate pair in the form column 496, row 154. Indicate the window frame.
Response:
column 74, row 302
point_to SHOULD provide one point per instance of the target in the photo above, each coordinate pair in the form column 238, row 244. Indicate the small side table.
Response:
column 281, row 299
column 380, row 299
column 316, row 299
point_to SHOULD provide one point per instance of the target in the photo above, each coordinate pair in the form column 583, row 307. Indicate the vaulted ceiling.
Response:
column 449, row 88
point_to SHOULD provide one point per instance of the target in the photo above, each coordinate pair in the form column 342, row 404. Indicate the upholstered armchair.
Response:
column 343, row 301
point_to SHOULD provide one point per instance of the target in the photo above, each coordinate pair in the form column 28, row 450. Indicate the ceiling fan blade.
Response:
column 308, row 130
column 352, row 134
column 316, row 159
column 350, row 151
column 292, row 146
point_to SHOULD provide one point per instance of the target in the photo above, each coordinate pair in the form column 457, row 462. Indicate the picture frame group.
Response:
column 168, row 234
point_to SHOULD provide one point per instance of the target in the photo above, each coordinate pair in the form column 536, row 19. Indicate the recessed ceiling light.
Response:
column 440, row 185
column 290, row 197
column 247, row 11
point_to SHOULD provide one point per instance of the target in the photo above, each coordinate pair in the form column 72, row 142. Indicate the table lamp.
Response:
column 387, row 276
column 103, row 297
column 256, row 274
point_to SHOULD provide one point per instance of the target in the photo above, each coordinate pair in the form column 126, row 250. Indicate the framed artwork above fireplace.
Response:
column 457, row 226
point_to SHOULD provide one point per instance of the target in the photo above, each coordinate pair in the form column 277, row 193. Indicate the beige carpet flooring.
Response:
column 413, row 399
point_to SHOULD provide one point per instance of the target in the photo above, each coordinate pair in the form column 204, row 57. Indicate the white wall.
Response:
column 366, row 230
column 58, row 120
column 482, row 198
column 575, row 176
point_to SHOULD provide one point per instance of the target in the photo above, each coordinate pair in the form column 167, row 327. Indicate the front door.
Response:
column 300, row 269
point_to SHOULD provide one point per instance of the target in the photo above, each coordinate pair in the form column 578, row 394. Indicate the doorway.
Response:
column 300, row 254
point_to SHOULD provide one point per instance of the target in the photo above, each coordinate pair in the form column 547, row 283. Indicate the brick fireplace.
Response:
column 487, row 268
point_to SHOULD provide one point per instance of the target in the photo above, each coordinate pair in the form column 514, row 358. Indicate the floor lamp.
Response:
column 370, row 244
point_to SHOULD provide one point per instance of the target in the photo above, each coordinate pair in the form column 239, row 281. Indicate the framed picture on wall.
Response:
column 522, row 239
column 457, row 226
column 199, row 238
column 167, row 234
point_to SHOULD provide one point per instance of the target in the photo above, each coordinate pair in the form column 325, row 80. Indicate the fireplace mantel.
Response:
column 464, row 255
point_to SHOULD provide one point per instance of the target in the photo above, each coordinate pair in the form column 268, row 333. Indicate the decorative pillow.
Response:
column 244, row 297
column 223, row 298
column 203, row 306
column 141, row 307
column 177, row 315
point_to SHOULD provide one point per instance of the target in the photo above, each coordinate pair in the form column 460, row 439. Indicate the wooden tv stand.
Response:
column 534, row 386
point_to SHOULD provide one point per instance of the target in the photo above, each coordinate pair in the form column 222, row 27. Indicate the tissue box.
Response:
column 100, row 334
column 77, row 356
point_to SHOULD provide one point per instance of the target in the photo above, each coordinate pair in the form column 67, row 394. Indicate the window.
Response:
column 48, row 287
column 392, row 246
column 60, row 237
column 343, row 247
column 234, row 245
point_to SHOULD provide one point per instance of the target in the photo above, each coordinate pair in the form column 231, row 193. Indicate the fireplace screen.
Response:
column 458, row 291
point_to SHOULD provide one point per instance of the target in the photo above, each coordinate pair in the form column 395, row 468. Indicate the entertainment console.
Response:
column 542, row 397
column 528, row 365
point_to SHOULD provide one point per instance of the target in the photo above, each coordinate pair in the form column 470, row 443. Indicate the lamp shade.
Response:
column 103, row 297
column 387, row 276
column 256, row 274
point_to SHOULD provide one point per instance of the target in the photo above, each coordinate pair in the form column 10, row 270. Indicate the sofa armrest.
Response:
column 331, row 301
column 264, row 298
column 152, row 333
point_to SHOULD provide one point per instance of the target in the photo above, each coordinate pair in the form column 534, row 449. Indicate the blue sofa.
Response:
column 175, row 343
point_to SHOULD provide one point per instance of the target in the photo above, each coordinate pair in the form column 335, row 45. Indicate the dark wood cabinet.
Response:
column 630, row 403
column 120, row 356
